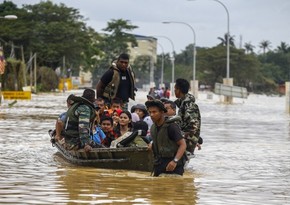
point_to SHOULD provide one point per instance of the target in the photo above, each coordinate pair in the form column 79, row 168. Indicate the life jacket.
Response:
column 165, row 147
column 111, row 89
column 71, row 128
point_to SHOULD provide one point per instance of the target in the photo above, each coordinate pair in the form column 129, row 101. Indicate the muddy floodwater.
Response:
column 245, row 159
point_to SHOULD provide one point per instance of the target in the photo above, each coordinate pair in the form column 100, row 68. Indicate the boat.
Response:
column 128, row 158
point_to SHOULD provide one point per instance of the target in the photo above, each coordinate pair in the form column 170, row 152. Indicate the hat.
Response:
column 151, row 97
column 163, row 99
column 141, row 107
column 70, row 98
column 156, row 103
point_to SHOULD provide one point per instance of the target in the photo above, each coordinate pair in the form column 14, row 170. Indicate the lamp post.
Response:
column 227, row 80
column 172, row 61
column 162, row 65
column 195, row 84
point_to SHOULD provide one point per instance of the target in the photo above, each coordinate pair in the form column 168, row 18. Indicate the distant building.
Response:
column 147, row 45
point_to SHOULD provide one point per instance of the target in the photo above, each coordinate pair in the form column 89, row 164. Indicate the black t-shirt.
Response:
column 124, row 88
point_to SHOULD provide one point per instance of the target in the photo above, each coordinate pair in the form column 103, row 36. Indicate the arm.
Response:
column 100, row 88
column 103, row 82
column 84, row 114
column 181, row 149
column 58, row 128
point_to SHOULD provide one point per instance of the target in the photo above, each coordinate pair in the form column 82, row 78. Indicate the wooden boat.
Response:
column 129, row 158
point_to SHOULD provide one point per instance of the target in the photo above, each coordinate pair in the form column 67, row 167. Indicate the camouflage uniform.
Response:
column 79, row 128
column 190, row 119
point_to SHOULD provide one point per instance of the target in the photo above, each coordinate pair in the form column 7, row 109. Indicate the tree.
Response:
column 224, row 40
column 249, row 48
column 284, row 47
column 117, row 41
column 265, row 45
column 113, row 44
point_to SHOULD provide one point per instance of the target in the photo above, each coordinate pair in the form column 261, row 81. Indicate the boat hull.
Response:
column 129, row 158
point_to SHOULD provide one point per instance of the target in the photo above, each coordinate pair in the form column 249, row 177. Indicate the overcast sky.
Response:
column 250, row 20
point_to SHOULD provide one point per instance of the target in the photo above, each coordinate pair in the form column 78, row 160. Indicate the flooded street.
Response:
column 245, row 159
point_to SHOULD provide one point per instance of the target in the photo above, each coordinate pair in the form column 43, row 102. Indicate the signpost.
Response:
column 16, row 95
column 230, row 91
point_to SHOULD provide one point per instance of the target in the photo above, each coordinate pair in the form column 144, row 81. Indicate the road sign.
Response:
column 230, row 91
column 17, row 95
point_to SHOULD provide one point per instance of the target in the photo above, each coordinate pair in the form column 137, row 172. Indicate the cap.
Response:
column 156, row 103
column 151, row 97
column 141, row 107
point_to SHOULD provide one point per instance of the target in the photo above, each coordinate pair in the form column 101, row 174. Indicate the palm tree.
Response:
column 284, row 48
column 265, row 45
column 249, row 47
column 224, row 40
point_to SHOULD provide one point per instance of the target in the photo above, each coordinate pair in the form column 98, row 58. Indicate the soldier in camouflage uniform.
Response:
column 189, row 113
column 79, row 122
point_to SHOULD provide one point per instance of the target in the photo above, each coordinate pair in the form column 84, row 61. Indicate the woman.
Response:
column 125, row 123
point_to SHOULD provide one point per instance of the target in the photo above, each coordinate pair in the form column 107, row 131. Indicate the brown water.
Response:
column 245, row 159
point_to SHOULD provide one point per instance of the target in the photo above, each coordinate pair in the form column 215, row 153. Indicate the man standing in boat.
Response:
column 118, row 82
column 79, row 122
column 168, row 143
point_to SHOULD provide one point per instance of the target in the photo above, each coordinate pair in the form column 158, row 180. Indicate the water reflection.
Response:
column 112, row 186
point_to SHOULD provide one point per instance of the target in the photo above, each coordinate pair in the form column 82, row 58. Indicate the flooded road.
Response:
column 245, row 159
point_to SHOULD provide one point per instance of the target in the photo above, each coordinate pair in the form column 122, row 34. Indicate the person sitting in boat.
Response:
column 116, row 117
column 125, row 123
column 141, row 111
column 116, row 104
column 61, row 119
column 134, row 138
column 170, row 106
column 103, row 111
column 168, row 144
column 98, row 134
column 107, row 127
column 79, row 122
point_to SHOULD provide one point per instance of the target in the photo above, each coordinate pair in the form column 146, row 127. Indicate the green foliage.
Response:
column 13, row 75
column 47, row 79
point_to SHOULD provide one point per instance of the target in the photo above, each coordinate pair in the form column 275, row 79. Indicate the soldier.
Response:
column 79, row 122
column 189, row 113
column 168, row 144
column 118, row 82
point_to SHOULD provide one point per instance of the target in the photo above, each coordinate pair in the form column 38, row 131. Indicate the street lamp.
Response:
column 162, row 65
column 172, row 61
column 194, row 88
column 228, row 36
column 227, row 81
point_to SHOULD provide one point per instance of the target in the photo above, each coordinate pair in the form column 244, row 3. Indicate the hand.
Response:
column 57, row 138
column 150, row 146
column 171, row 166
column 198, row 146
column 88, row 148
